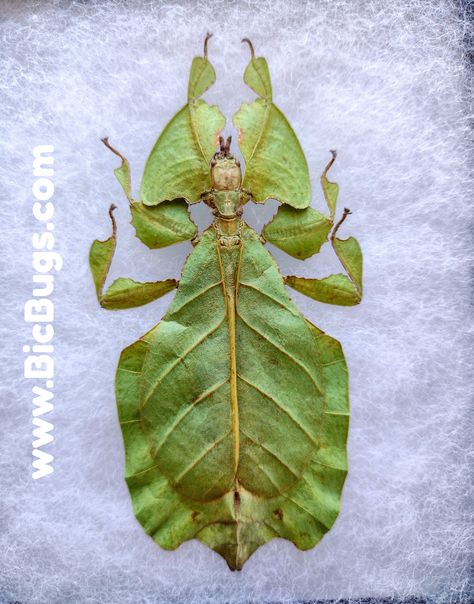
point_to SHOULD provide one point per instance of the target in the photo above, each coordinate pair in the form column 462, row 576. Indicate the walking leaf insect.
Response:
column 234, row 407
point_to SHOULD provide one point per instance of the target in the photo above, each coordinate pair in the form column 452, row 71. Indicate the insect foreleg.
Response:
column 330, row 189
column 122, row 173
column 123, row 293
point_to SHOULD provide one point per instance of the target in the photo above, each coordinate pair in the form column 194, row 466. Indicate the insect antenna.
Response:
column 224, row 149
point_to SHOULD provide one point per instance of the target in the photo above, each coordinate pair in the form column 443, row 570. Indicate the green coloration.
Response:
column 275, row 163
column 191, row 136
column 234, row 408
column 123, row 293
column 330, row 189
column 100, row 258
column 336, row 289
column 159, row 226
column 127, row 293
column 300, row 233
column 122, row 173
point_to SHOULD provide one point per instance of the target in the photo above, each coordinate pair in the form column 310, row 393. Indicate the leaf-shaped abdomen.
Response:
column 207, row 434
column 281, row 399
column 185, row 392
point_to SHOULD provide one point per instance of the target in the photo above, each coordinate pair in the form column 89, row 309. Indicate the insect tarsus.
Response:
column 206, row 40
column 112, row 218
column 333, row 152
column 343, row 217
column 252, row 50
column 105, row 140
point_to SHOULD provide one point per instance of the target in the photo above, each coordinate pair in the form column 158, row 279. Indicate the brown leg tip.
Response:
column 206, row 40
column 252, row 51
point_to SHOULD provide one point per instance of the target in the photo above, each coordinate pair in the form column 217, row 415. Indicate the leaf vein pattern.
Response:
column 267, row 106
column 274, row 455
column 142, row 471
column 180, row 358
column 216, row 482
column 188, row 409
column 268, row 296
column 273, row 529
column 337, row 413
column 196, row 296
column 333, row 362
column 202, row 456
column 307, row 511
column 326, row 465
column 267, row 475
column 283, row 351
column 280, row 406
column 192, row 108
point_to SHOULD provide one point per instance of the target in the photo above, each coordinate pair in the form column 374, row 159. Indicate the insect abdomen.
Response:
column 209, row 425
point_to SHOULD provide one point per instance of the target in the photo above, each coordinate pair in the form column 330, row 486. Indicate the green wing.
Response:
column 275, row 165
column 178, row 166
column 266, row 456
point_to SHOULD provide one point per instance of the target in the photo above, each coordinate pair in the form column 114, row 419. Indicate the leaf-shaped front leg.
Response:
column 122, row 173
column 275, row 163
column 162, row 225
column 178, row 166
column 301, row 233
column 330, row 189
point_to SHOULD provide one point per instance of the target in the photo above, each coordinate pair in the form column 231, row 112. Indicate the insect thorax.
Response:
column 227, row 221
column 226, row 203
column 226, row 197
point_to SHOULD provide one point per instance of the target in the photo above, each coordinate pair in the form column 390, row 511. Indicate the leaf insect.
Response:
column 234, row 408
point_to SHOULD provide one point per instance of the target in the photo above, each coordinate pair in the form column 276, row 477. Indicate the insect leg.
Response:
column 124, row 292
column 302, row 232
column 299, row 233
column 344, row 290
column 330, row 189
column 156, row 226
column 122, row 173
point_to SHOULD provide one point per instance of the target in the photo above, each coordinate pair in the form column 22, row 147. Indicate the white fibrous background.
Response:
column 384, row 83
